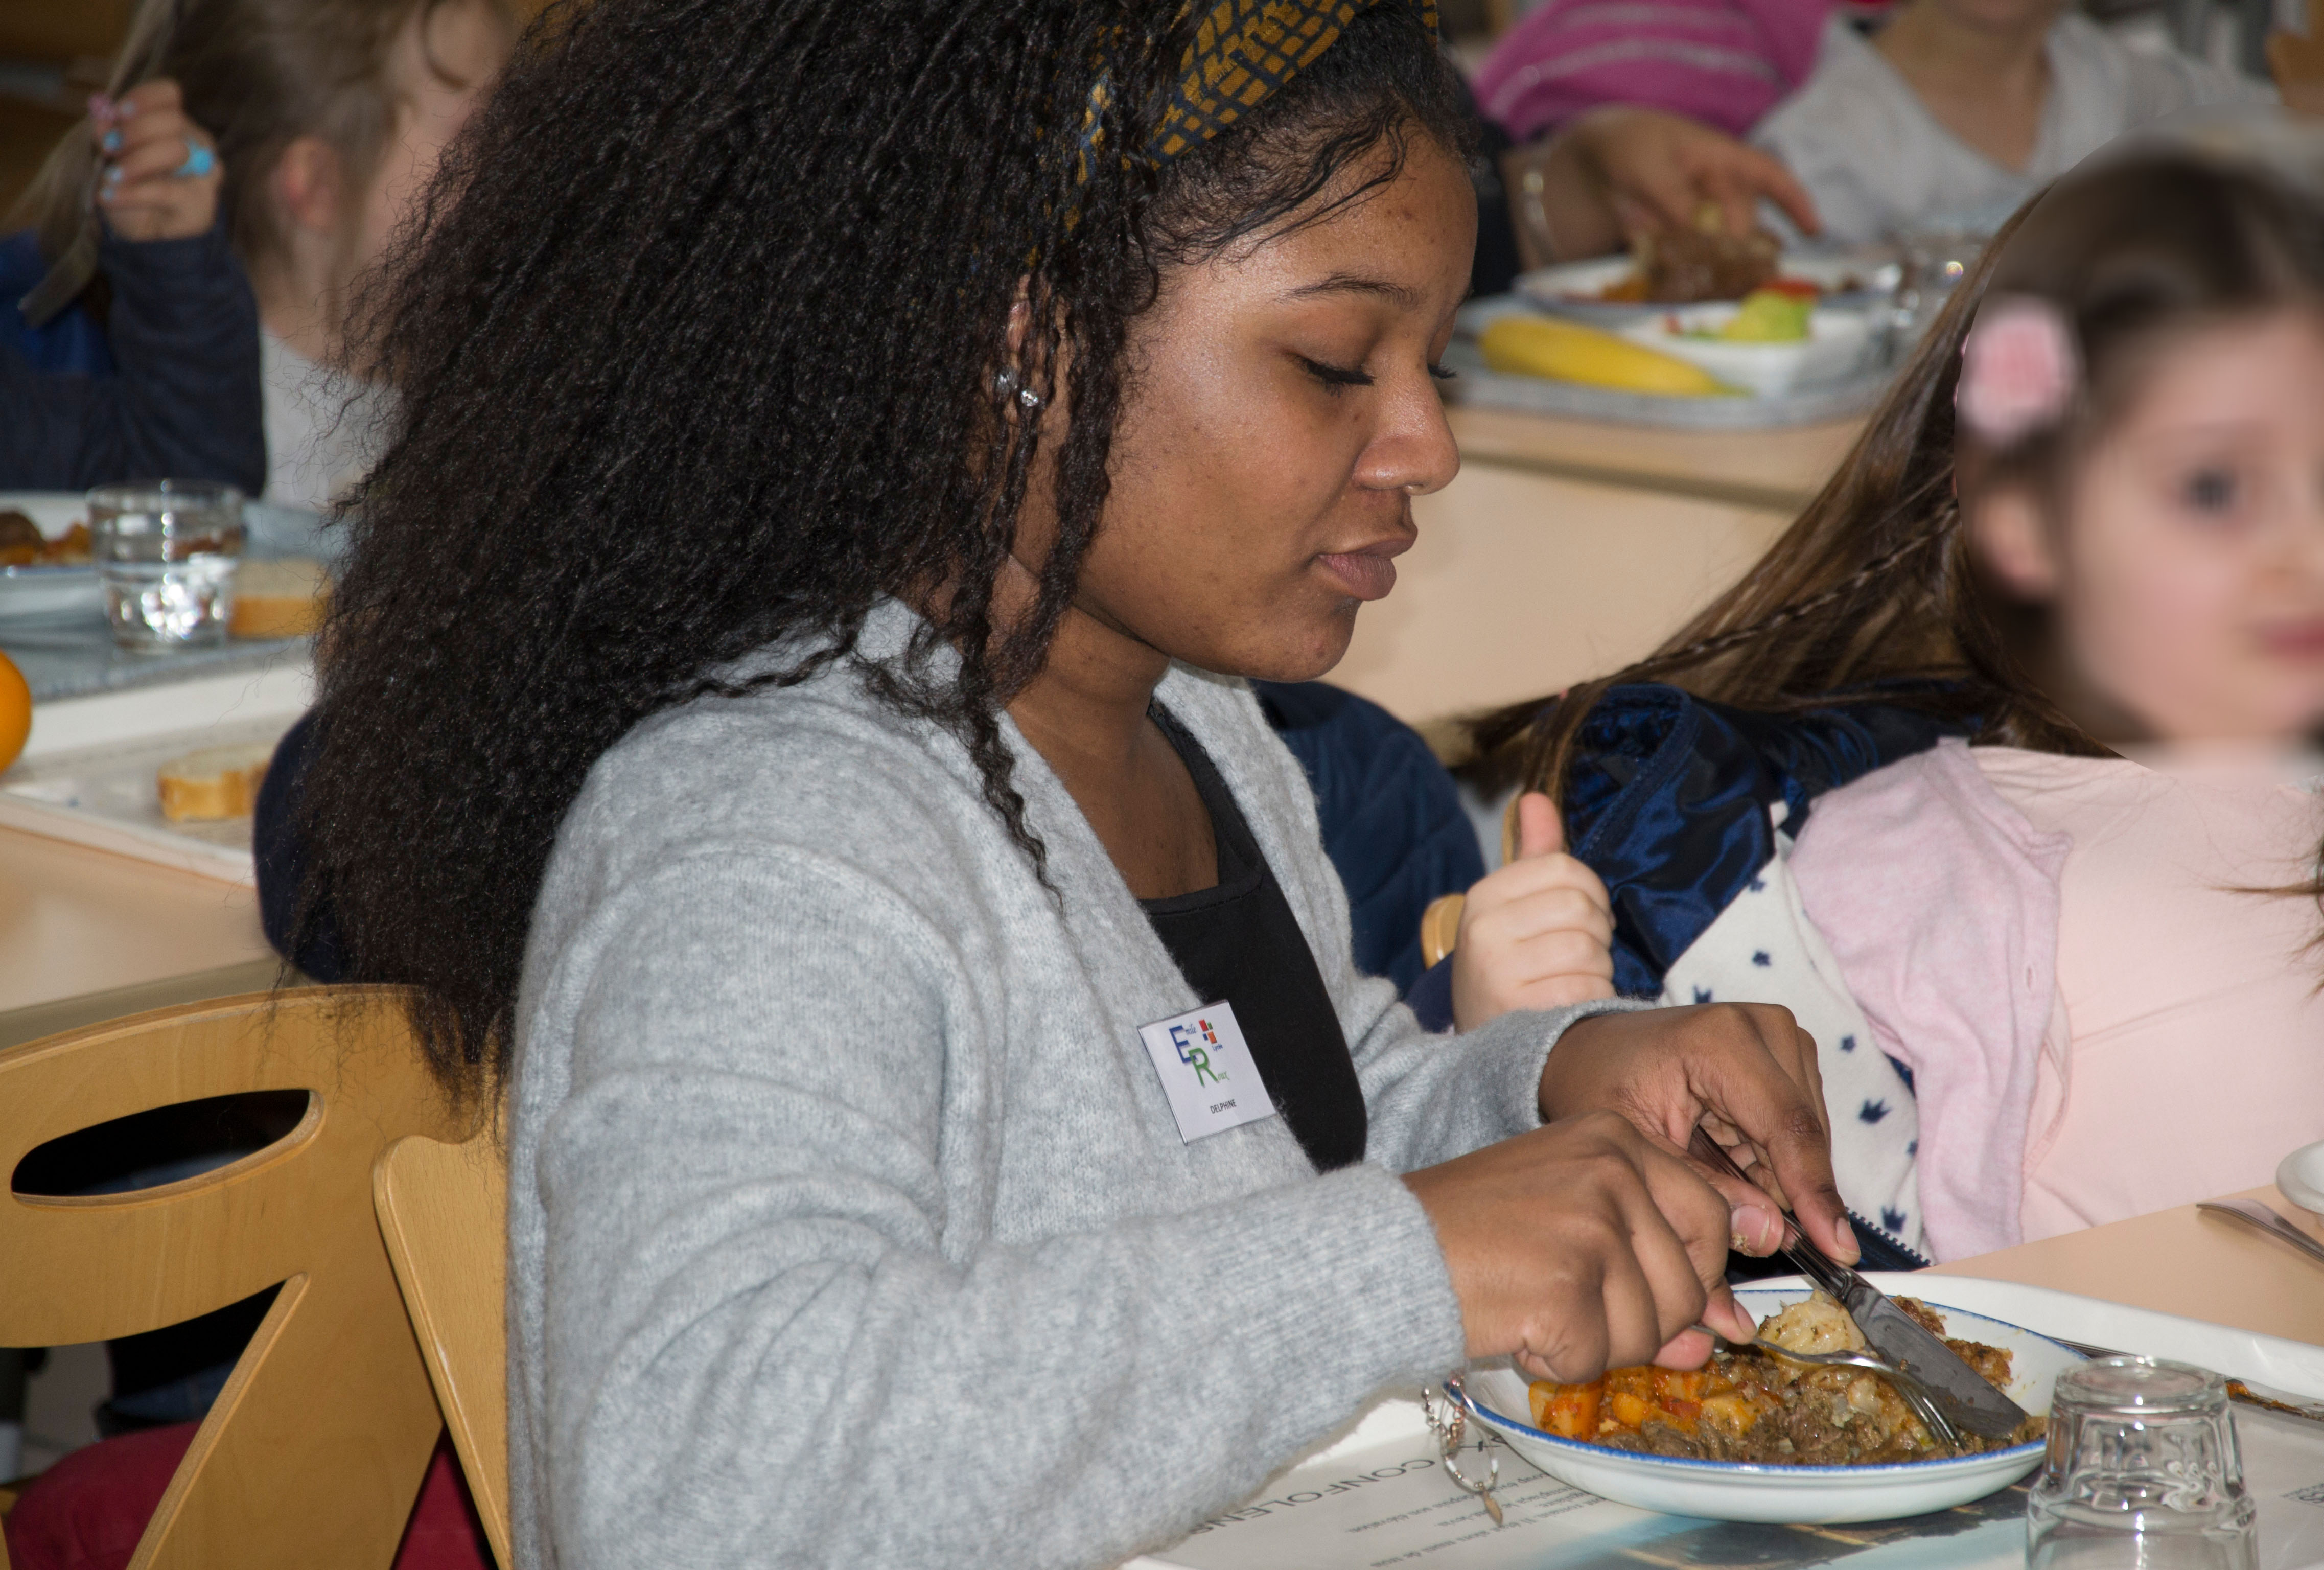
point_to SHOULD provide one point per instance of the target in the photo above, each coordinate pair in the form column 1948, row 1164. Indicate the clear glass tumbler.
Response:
column 166, row 553
column 1936, row 261
column 2142, row 1471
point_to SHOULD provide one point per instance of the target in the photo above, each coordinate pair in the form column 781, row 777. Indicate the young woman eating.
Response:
column 783, row 715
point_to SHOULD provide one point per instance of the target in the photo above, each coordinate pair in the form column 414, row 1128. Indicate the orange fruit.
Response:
column 16, row 711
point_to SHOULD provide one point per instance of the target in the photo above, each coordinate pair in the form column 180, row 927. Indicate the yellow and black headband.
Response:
column 1245, row 50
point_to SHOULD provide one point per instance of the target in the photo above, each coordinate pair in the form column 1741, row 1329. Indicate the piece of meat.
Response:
column 1687, row 265
column 1921, row 1315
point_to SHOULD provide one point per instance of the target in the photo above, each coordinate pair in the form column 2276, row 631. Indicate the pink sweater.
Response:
column 2099, row 1022
column 1725, row 62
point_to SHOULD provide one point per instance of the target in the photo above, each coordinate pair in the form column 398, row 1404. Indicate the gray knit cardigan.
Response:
column 849, row 1223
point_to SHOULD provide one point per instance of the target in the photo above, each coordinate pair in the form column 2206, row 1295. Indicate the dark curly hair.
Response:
column 698, row 336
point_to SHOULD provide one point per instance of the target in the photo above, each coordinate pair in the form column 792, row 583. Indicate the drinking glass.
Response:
column 166, row 553
column 1935, row 262
column 2142, row 1471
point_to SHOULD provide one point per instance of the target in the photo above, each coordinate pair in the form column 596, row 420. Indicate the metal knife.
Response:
column 1964, row 1394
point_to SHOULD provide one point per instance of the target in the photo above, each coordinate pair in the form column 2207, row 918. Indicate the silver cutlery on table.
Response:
column 1968, row 1401
column 2250, row 1392
column 2265, row 1218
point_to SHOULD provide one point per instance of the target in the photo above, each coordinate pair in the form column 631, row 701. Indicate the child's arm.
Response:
column 1622, row 169
column 1538, row 933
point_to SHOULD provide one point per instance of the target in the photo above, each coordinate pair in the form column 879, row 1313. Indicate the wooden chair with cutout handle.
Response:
column 314, row 1451
column 443, row 1211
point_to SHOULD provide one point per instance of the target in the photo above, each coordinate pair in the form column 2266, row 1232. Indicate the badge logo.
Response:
column 1206, row 1071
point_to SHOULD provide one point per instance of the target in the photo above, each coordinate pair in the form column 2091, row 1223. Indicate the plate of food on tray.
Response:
column 45, row 562
column 1775, row 341
column 47, row 573
column 1695, row 266
column 1751, row 1437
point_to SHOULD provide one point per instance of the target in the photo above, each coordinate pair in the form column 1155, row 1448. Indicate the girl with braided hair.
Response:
column 783, row 717
column 2053, row 642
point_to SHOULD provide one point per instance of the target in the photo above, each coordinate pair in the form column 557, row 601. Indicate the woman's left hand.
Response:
column 1747, row 1073
column 161, row 171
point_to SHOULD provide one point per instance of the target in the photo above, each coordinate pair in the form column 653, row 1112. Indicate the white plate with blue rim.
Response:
column 1573, row 289
column 1732, row 1490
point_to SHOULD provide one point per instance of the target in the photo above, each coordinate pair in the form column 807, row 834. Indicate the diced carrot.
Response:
column 1630, row 1410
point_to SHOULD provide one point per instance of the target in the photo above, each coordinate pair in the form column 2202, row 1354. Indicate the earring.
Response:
column 1004, row 380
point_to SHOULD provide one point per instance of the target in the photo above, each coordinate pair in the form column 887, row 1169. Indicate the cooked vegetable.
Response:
column 1768, row 316
column 1748, row 1405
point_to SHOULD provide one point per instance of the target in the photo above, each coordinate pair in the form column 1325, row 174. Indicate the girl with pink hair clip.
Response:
column 2085, row 533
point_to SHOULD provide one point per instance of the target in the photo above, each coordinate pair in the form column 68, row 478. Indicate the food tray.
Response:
column 1566, row 288
column 1476, row 387
column 47, row 595
column 105, row 797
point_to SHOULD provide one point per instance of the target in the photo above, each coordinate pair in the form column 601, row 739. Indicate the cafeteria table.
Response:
column 1375, row 1494
column 1566, row 548
column 2179, row 1262
column 88, row 934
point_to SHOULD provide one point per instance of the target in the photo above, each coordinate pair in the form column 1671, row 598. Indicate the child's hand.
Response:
column 161, row 171
column 1537, row 934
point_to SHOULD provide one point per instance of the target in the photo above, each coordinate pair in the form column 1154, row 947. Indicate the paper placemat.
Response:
column 1379, row 1496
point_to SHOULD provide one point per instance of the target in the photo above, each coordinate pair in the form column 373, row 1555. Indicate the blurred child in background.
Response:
column 128, row 338
column 1951, row 112
column 1861, row 120
column 329, row 116
column 2085, row 534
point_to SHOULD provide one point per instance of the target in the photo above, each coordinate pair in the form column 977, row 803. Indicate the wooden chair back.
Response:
column 1440, row 927
column 314, row 1451
column 2296, row 61
column 443, row 1211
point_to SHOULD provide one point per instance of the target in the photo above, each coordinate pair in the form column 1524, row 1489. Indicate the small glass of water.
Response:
column 2142, row 1470
column 1936, row 261
column 166, row 553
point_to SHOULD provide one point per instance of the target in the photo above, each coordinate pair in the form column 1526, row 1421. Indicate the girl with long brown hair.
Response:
column 2085, row 537
column 327, row 117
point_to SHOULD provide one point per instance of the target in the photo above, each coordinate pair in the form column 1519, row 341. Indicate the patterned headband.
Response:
column 1245, row 50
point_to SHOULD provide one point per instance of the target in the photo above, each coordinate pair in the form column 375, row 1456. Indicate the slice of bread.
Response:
column 280, row 598
column 215, row 783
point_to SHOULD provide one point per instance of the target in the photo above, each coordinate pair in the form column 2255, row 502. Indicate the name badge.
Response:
column 1206, row 1071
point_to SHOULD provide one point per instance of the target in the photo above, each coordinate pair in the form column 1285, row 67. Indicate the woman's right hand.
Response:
column 143, row 139
column 1582, row 1246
